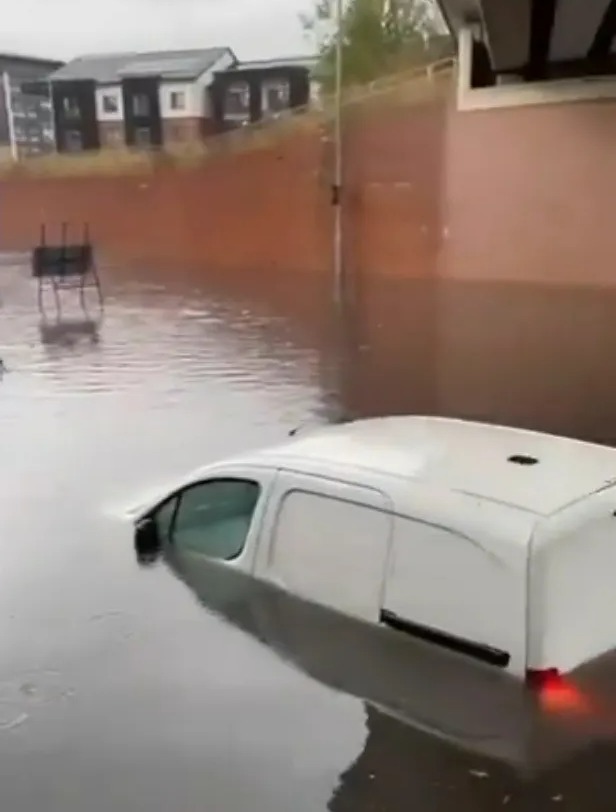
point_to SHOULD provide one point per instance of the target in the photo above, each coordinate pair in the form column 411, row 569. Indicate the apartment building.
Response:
column 26, row 120
column 248, row 92
column 170, row 98
column 138, row 100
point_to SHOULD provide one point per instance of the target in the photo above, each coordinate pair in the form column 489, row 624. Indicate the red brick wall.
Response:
column 251, row 210
column 522, row 194
column 394, row 175
column 493, row 228
column 261, row 209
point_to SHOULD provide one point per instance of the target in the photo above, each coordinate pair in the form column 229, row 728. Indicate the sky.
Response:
column 64, row 29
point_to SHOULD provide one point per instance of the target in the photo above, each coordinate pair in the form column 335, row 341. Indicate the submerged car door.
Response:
column 327, row 542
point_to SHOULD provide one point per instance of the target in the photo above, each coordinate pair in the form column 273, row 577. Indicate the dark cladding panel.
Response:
column 297, row 79
column 142, row 117
column 75, row 115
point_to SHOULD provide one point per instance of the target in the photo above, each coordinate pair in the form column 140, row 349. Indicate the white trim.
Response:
column 519, row 94
column 102, row 115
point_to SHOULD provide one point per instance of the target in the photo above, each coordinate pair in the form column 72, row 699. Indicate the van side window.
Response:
column 213, row 518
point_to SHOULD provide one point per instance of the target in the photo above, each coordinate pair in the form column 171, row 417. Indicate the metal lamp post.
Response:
column 338, row 169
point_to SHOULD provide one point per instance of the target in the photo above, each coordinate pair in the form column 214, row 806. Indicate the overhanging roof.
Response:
column 522, row 32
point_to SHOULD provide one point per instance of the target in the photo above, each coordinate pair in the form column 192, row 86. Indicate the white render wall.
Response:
column 194, row 98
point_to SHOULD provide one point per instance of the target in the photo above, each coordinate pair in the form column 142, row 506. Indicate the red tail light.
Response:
column 555, row 692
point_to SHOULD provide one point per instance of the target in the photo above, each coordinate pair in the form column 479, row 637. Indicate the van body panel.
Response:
column 451, row 581
column 328, row 542
column 572, row 592
column 496, row 536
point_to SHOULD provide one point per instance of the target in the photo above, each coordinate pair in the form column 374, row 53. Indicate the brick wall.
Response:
column 259, row 209
column 186, row 130
column 112, row 134
column 519, row 194
column 264, row 208
column 479, row 248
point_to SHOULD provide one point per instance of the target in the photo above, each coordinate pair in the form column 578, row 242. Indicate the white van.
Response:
column 496, row 543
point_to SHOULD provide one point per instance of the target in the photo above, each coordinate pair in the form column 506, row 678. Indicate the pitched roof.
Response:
column 7, row 56
column 112, row 68
column 309, row 62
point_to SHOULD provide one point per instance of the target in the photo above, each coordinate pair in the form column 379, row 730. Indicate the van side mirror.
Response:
column 148, row 546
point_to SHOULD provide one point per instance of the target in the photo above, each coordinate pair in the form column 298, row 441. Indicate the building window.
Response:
column 237, row 100
column 70, row 107
column 143, row 137
column 276, row 96
column 177, row 100
column 110, row 103
column 73, row 141
column 141, row 105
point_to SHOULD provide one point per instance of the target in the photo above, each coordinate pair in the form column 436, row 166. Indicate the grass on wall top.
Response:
column 416, row 86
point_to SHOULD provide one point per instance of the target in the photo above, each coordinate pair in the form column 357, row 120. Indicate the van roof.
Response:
column 541, row 473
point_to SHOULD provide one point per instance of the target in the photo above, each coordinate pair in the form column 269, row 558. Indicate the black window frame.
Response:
column 282, row 88
column 112, row 100
column 147, row 106
column 178, row 495
column 235, row 89
column 174, row 95
column 71, row 108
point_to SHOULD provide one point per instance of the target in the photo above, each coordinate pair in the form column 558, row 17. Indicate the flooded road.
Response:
column 120, row 690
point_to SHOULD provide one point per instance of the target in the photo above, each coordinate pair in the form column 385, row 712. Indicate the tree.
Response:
column 379, row 37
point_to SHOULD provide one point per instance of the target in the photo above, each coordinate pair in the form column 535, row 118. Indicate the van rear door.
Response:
column 327, row 541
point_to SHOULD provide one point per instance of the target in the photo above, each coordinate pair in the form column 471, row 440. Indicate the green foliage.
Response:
column 379, row 37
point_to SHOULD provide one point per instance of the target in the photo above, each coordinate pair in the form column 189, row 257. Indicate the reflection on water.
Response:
column 510, row 353
column 116, row 688
column 67, row 333
column 459, row 713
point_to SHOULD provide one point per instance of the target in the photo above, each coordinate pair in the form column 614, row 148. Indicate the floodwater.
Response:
column 119, row 687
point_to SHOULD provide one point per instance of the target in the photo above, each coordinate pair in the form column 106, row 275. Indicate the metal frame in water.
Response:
column 67, row 266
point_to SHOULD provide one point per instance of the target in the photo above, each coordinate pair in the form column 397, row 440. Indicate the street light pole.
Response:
column 338, row 168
